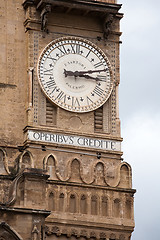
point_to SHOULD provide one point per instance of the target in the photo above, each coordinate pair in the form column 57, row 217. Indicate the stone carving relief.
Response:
column 99, row 172
column 3, row 162
column 35, row 233
column 80, row 233
column 44, row 17
column 99, row 203
column 107, row 26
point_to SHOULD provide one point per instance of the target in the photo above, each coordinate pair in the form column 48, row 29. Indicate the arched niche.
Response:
column 128, row 209
column 75, row 171
column 51, row 201
column 83, row 204
column 72, row 203
column 94, row 205
column 26, row 160
column 61, row 202
column 125, row 176
column 104, row 206
column 50, row 166
column 99, row 174
column 116, row 208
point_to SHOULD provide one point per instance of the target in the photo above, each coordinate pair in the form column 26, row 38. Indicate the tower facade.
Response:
column 62, row 174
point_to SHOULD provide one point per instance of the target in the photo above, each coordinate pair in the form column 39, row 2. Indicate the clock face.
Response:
column 75, row 74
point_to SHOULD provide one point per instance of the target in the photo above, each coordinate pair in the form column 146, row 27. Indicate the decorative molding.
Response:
column 82, row 232
column 111, row 174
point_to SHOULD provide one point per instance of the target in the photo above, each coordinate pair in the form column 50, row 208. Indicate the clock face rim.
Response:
column 94, row 46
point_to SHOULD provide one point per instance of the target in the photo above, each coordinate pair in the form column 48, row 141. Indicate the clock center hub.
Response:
column 73, row 82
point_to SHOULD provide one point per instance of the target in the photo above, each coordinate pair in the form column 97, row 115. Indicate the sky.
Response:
column 140, row 109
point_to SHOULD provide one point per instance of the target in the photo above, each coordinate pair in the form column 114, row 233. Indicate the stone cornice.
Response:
column 25, row 210
column 106, row 11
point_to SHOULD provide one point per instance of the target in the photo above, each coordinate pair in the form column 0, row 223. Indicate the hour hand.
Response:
column 68, row 73
column 90, row 71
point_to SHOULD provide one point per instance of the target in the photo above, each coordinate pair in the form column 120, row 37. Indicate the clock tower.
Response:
column 62, row 174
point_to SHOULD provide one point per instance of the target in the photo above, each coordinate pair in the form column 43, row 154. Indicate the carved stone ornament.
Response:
column 107, row 25
column 27, row 3
column 35, row 233
column 44, row 17
column 79, row 233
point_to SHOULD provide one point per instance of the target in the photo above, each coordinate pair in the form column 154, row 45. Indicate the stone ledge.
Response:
column 25, row 210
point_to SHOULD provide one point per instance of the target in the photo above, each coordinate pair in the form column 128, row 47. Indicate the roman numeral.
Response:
column 89, row 101
column 75, row 48
column 51, row 83
column 62, row 49
column 52, row 93
column 102, row 78
column 61, row 96
column 98, row 64
column 75, row 102
column 48, row 71
column 98, row 91
column 53, row 59
column 88, row 53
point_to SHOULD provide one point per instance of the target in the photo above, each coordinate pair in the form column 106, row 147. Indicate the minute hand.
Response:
column 90, row 77
column 89, row 71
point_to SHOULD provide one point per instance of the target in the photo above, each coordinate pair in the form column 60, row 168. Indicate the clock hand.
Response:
column 71, row 73
column 76, row 74
column 68, row 73
column 80, row 73
column 90, row 77
column 90, row 71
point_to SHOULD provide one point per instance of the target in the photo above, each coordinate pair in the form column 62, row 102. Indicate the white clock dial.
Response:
column 75, row 74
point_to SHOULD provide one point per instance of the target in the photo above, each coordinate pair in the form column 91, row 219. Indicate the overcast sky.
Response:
column 140, row 109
